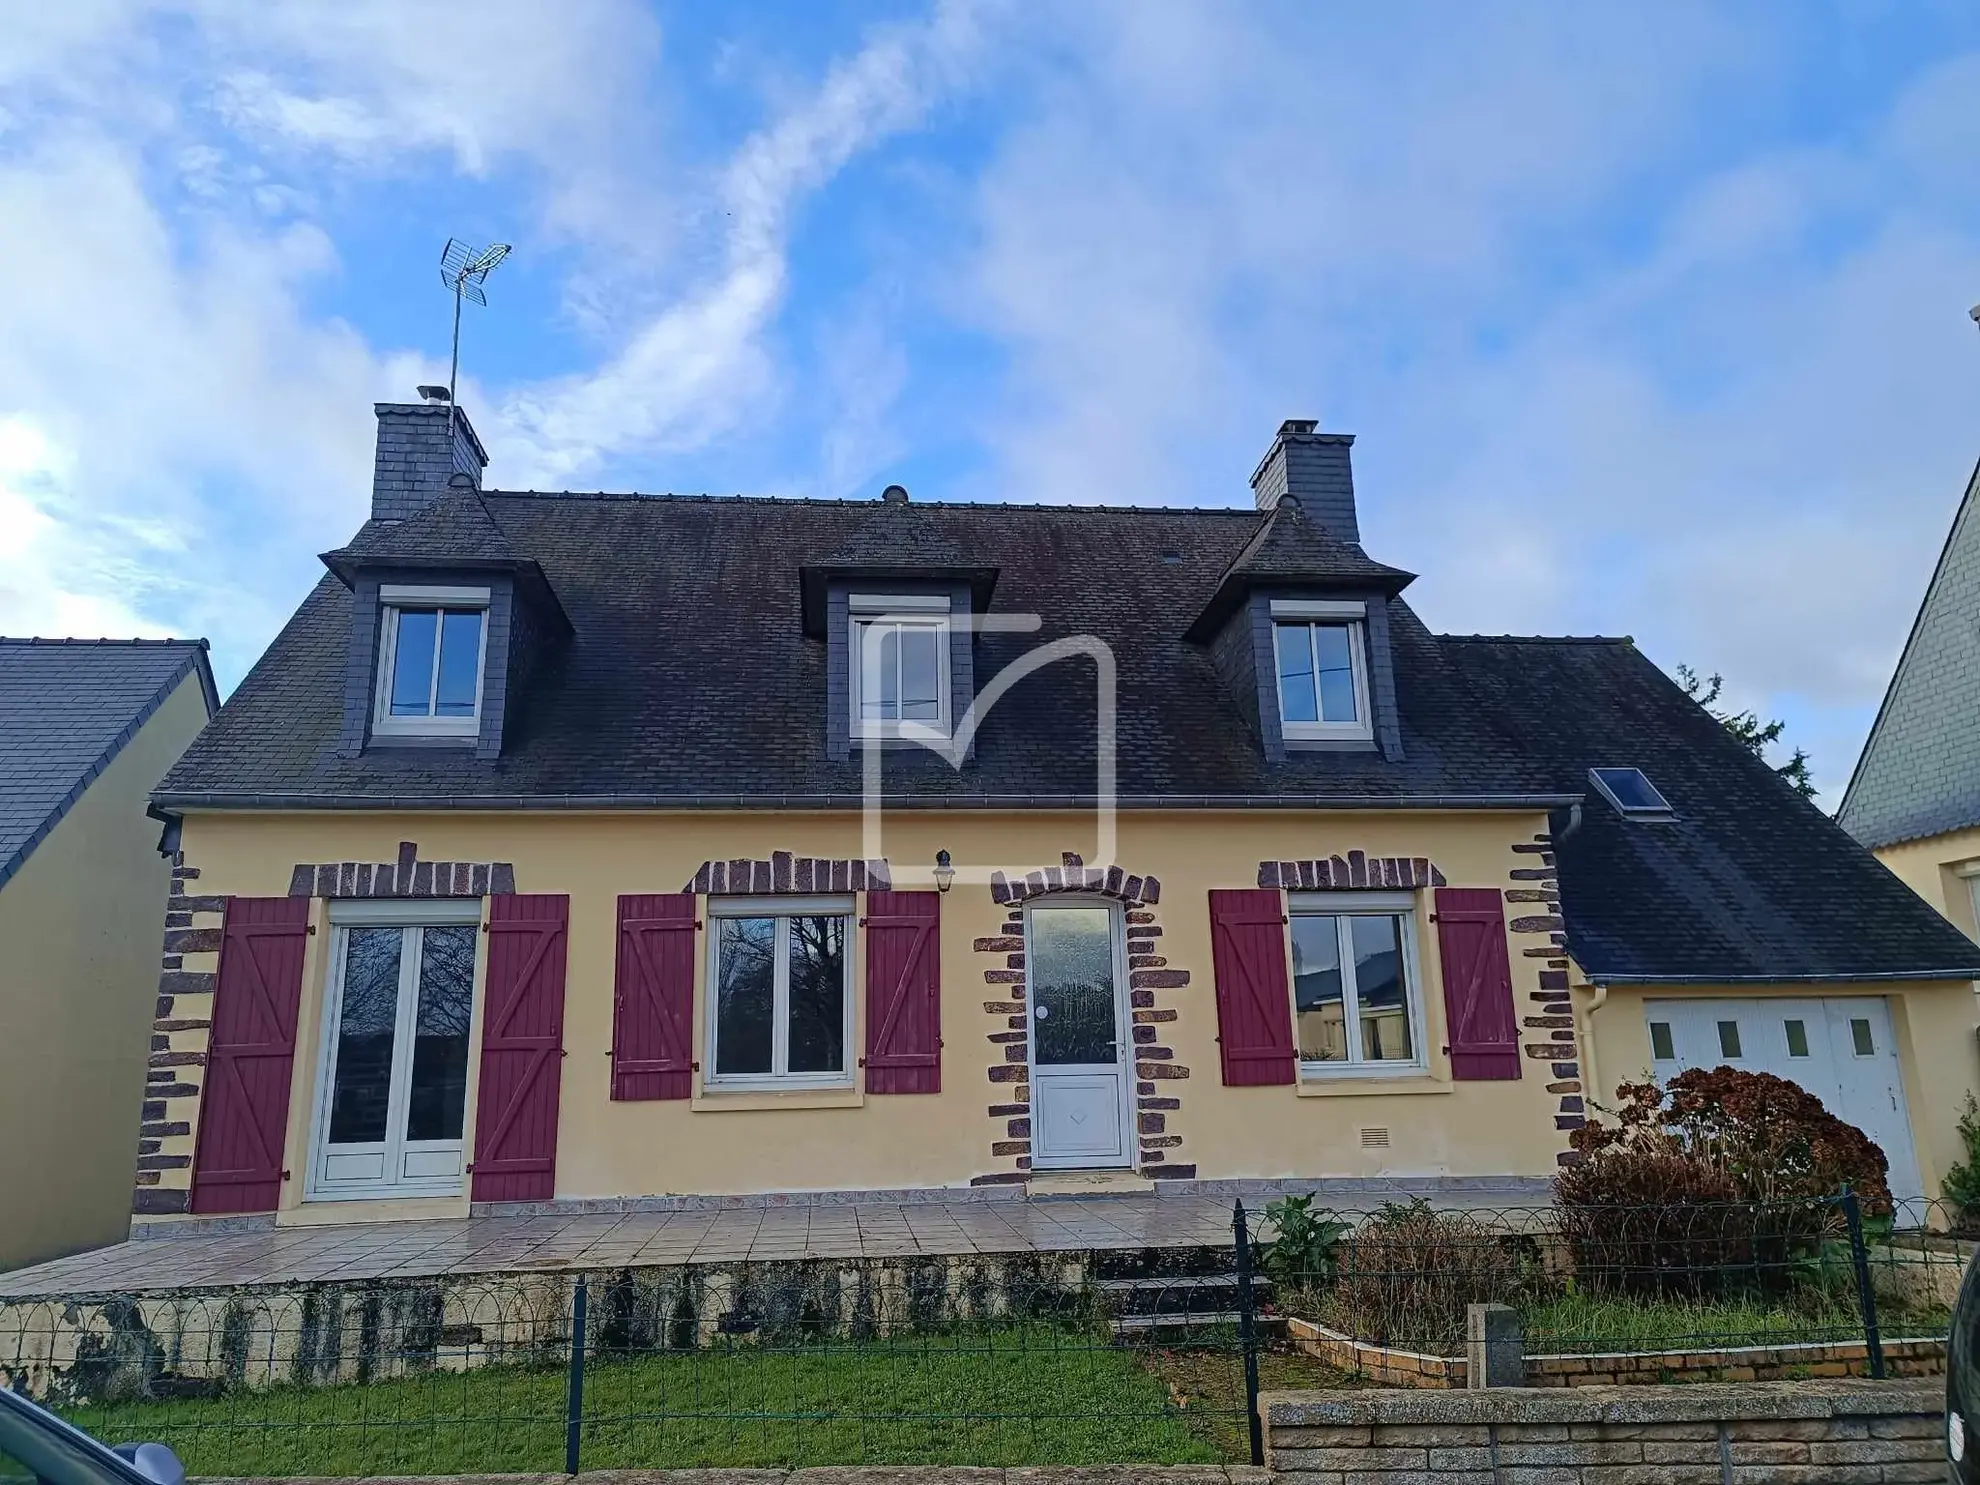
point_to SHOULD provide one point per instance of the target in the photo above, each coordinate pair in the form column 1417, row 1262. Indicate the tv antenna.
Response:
column 464, row 270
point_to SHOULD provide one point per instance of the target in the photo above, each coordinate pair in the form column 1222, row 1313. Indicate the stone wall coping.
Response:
column 1692, row 1402
column 920, row 1474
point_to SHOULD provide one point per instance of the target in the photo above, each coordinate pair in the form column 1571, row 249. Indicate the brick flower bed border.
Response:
column 1398, row 1368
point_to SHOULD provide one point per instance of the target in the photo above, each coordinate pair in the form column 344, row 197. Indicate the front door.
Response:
column 398, row 1016
column 1839, row 1048
column 1079, row 1074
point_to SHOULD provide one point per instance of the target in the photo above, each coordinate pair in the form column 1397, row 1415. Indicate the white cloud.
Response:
column 700, row 367
column 1610, row 373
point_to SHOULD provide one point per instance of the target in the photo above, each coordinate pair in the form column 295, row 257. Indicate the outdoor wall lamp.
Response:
column 945, row 871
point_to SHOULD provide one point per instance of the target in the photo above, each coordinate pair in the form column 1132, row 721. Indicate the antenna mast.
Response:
column 463, row 270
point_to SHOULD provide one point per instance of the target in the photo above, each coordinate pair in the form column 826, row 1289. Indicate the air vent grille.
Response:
column 1374, row 1137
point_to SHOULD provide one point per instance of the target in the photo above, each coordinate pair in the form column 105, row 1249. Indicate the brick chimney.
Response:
column 1313, row 468
column 415, row 465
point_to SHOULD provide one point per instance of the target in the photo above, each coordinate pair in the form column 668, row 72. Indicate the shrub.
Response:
column 1772, row 1139
column 1719, row 1183
column 1405, row 1276
column 1962, row 1183
column 1302, row 1250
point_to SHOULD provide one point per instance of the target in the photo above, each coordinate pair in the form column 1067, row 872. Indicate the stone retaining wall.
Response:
column 1763, row 1433
column 1787, row 1361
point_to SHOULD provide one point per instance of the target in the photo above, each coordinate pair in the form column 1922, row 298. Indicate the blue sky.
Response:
column 1650, row 319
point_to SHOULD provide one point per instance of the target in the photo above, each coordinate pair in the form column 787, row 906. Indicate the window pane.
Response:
column 1378, row 989
column 412, row 661
column 921, row 675
column 362, row 1082
column 1662, row 1045
column 880, row 668
column 1298, row 701
column 745, row 982
column 1797, row 1038
column 460, row 662
column 1072, row 975
column 1330, row 641
column 1322, row 1014
column 818, row 995
column 1864, row 1042
column 440, row 1033
column 1729, row 1040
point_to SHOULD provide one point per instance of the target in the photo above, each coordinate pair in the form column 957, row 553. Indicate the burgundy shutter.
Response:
column 653, row 997
column 903, row 992
column 1254, row 996
column 1478, row 992
column 522, row 1044
column 250, row 1055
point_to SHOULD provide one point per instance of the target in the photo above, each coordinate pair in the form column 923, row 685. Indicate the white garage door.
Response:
column 1840, row 1049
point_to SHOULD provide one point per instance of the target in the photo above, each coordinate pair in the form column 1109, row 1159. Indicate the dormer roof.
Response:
column 457, row 533
column 899, row 545
column 1288, row 547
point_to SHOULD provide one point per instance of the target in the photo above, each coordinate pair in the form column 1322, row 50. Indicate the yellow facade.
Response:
column 733, row 1143
column 81, row 921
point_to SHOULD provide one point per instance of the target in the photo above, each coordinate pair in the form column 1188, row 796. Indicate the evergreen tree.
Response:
column 1758, row 736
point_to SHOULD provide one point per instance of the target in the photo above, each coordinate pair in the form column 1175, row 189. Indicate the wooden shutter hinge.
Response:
column 310, row 929
column 285, row 1175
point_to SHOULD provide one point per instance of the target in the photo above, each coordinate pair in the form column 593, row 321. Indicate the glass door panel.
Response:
column 1072, row 977
column 396, row 1097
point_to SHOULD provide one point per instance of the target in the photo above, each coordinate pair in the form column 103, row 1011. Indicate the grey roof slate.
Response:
column 1919, row 772
column 67, row 707
column 688, row 679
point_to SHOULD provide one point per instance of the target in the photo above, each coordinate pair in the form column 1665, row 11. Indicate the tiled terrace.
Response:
column 479, row 1245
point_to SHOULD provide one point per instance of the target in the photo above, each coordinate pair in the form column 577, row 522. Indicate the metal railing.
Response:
column 1107, row 1356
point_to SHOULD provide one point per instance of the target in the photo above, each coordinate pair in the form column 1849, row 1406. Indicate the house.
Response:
column 585, row 852
column 87, row 729
column 1914, row 798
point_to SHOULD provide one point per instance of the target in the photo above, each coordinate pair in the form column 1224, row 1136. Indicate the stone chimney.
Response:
column 415, row 465
column 1313, row 469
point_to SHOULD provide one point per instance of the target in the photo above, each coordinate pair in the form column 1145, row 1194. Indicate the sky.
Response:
column 1649, row 319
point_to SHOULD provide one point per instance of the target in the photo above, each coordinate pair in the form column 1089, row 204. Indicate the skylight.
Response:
column 1633, row 795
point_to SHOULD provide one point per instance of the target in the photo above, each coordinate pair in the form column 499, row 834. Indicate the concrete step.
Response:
column 1044, row 1185
column 1181, row 1295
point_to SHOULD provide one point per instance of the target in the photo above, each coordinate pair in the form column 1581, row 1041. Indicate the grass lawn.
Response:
column 1584, row 1323
column 1029, row 1396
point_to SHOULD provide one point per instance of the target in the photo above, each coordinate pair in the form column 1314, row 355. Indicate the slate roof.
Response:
column 67, row 707
column 688, row 680
column 1919, row 773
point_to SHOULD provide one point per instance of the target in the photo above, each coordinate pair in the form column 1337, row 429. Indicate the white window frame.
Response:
column 908, row 610
column 392, row 599
column 1302, row 614
column 1344, row 905
column 784, row 909
column 345, row 916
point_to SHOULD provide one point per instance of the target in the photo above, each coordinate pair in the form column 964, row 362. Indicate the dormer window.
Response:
column 431, row 658
column 1319, row 649
column 900, row 684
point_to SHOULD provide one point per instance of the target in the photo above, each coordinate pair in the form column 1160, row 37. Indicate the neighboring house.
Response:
column 527, row 867
column 1915, row 796
column 87, row 729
